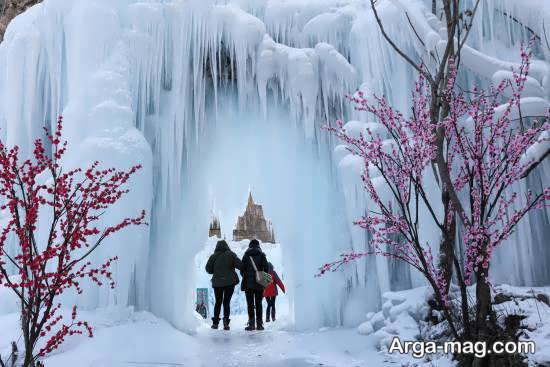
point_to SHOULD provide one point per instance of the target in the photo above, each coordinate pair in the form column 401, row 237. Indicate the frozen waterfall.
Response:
column 213, row 97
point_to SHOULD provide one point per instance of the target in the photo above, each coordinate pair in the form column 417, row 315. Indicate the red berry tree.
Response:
column 53, row 218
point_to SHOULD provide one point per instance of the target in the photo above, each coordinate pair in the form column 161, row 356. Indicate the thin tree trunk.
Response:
column 446, row 249
column 483, row 310
column 440, row 110
column 25, row 328
column 483, row 306
column 463, row 300
column 29, row 359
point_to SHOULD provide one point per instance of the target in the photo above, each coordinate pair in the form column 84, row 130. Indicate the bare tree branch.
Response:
column 396, row 48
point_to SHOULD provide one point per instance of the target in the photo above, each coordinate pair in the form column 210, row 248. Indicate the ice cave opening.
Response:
column 269, row 156
column 252, row 224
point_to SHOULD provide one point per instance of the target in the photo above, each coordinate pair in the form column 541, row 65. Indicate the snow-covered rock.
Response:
column 400, row 314
column 534, row 304
column 403, row 315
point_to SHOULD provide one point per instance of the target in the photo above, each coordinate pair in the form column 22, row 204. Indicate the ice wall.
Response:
column 53, row 61
column 492, row 49
column 158, row 83
column 201, row 91
column 213, row 90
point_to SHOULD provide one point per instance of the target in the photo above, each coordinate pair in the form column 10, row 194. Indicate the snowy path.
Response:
column 143, row 340
column 274, row 348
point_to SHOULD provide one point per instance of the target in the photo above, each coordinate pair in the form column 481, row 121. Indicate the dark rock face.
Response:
column 252, row 224
column 11, row 9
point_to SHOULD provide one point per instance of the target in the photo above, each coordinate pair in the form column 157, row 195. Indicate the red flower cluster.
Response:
column 67, row 207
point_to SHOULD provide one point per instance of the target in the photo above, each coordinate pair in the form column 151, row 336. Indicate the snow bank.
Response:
column 400, row 314
column 403, row 315
column 534, row 304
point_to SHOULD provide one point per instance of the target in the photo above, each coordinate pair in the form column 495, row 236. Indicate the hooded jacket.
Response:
column 222, row 264
column 247, row 271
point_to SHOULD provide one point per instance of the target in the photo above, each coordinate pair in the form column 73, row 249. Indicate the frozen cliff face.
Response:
column 181, row 87
column 214, row 97
column 54, row 62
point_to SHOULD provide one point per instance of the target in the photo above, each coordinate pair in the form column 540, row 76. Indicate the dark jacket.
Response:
column 222, row 265
column 247, row 271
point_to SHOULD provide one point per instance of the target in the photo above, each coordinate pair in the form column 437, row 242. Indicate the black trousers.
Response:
column 270, row 307
column 254, row 300
column 223, row 295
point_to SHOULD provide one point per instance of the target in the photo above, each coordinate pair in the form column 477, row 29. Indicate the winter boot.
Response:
column 226, row 323
column 251, row 325
column 273, row 314
column 259, row 324
column 267, row 316
column 215, row 322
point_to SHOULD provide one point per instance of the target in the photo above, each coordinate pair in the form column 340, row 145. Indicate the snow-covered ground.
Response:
column 125, row 338
column 533, row 303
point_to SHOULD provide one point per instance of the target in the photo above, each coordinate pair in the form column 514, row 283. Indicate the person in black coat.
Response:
column 222, row 264
column 254, row 292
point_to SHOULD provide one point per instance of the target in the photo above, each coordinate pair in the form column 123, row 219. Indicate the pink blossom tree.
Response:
column 486, row 157
column 37, row 193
